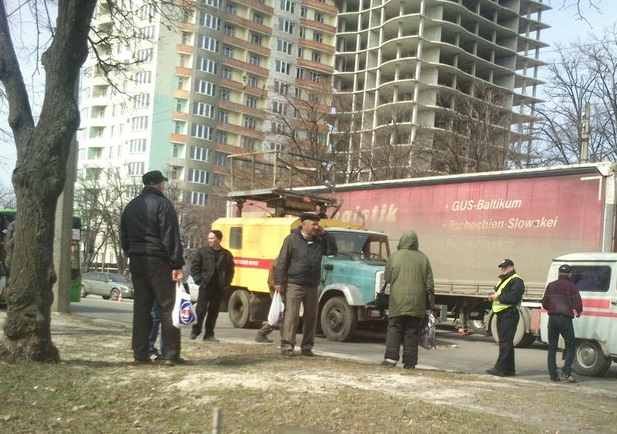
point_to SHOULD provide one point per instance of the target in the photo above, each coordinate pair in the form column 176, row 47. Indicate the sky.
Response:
column 565, row 28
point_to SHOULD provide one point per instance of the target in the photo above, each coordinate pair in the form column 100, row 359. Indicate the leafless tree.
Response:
column 42, row 151
column 475, row 134
column 584, row 73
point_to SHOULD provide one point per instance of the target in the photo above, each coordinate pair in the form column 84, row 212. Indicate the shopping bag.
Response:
column 183, row 313
column 427, row 332
column 275, row 315
column 382, row 299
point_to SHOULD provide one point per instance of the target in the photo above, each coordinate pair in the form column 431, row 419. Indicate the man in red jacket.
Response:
column 560, row 300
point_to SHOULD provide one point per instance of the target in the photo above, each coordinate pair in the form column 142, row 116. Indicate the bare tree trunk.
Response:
column 39, row 176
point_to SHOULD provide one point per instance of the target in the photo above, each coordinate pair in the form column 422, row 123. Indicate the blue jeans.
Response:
column 560, row 325
column 154, row 333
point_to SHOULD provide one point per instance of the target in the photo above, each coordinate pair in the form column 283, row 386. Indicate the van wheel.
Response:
column 239, row 308
column 590, row 360
column 338, row 320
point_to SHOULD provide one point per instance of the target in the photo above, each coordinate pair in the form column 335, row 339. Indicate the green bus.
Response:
column 7, row 216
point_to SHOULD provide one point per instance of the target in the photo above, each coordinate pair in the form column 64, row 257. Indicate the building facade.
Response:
column 441, row 86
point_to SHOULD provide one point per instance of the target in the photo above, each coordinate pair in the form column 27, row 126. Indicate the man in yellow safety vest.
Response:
column 506, row 301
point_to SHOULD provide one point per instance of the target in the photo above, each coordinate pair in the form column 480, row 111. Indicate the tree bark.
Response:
column 39, row 176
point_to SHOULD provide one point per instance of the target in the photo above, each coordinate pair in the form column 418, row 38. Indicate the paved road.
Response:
column 471, row 354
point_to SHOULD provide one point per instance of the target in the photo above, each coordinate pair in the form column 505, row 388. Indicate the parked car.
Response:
column 107, row 285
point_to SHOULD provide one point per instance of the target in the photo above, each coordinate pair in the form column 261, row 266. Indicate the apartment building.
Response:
column 421, row 81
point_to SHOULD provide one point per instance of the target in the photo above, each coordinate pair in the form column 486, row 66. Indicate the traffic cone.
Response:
column 120, row 298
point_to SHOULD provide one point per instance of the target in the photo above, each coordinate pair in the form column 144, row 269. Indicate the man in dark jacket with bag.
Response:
column 412, row 293
column 213, row 270
column 298, row 272
column 150, row 237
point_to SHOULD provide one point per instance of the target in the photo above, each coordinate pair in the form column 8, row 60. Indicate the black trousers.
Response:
column 507, row 321
column 208, row 307
column 151, row 278
column 403, row 330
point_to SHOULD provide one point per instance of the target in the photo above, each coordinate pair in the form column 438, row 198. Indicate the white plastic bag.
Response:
column 184, row 313
column 275, row 315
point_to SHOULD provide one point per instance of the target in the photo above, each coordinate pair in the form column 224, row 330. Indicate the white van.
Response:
column 595, row 275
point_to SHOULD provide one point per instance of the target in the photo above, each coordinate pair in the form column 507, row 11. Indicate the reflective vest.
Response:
column 497, row 305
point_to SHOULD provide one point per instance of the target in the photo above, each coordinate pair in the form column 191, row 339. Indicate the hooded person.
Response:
column 412, row 293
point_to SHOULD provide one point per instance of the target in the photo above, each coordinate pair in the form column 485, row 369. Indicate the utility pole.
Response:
column 585, row 136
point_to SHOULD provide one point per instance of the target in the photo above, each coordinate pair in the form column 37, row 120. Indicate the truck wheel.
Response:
column 590, row 360
column 522, row 339
column 114, row 294
column 239, row 308
column 338, row 320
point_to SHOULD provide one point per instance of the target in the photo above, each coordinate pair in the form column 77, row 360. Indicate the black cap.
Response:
column 506, row 263
column 152, row 178
column 565, row 269
column 309, row 216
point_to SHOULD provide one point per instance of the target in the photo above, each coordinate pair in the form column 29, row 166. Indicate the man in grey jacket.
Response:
column 412, row 293
column 298, row 272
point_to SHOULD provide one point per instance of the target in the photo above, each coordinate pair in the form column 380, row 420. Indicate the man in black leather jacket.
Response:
column 150, row 236
column 298, row 273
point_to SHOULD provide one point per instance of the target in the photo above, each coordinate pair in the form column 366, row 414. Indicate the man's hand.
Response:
column 177, row 275
column 278, row 288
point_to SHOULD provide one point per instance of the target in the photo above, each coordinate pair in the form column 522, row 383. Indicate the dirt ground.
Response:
column 344, row 396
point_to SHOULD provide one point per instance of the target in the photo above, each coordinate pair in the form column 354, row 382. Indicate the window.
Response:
column 275, row 146
column 214, row 3
column 198, row 198
column 231, row 9
column 316, row 56
column 254, row 60
column 315, row 77
column 220, row 159
column 256, row 39
column 300, row 73
column 145, row 55
column 302, row 32
column 133, row 190
column 226, row 73
column 277, row 127
column 222, row 137
column 278, row 107
column 281, row 66
column 283, row 46
column 224, row 95
column 248, row 144
column 319, row 17
column 210, row 21
column 591, row 278
column 223, row 116
column 252, row 81
column 258, row 18
column 139, row 123
column 288, row 5
column 301, row 52
column 318, row 37
column 207, row 43
column 200, row 153
column 281, row 87
column 251, row 102
column 179, row 127
column 142, row 100
column 206, row 65
column 136, row 168
column 230, row 30
column 203, row 109
column 143, row 77
column 199, row 176
column 217, row 180
column 147, row 32
column 249, row 122
column 286, row 26
column 181, row 105
column 298, row 93
column 202, row 132
column 147, row 12
column 206, row 88
column 235, row 237
column 228, row 52
column 137, row 146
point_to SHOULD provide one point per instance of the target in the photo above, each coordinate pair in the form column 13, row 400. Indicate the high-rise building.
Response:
column 218, row 78
column 435, row 86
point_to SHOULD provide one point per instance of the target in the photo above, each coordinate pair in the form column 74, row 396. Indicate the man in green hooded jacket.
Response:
column 412, row 293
